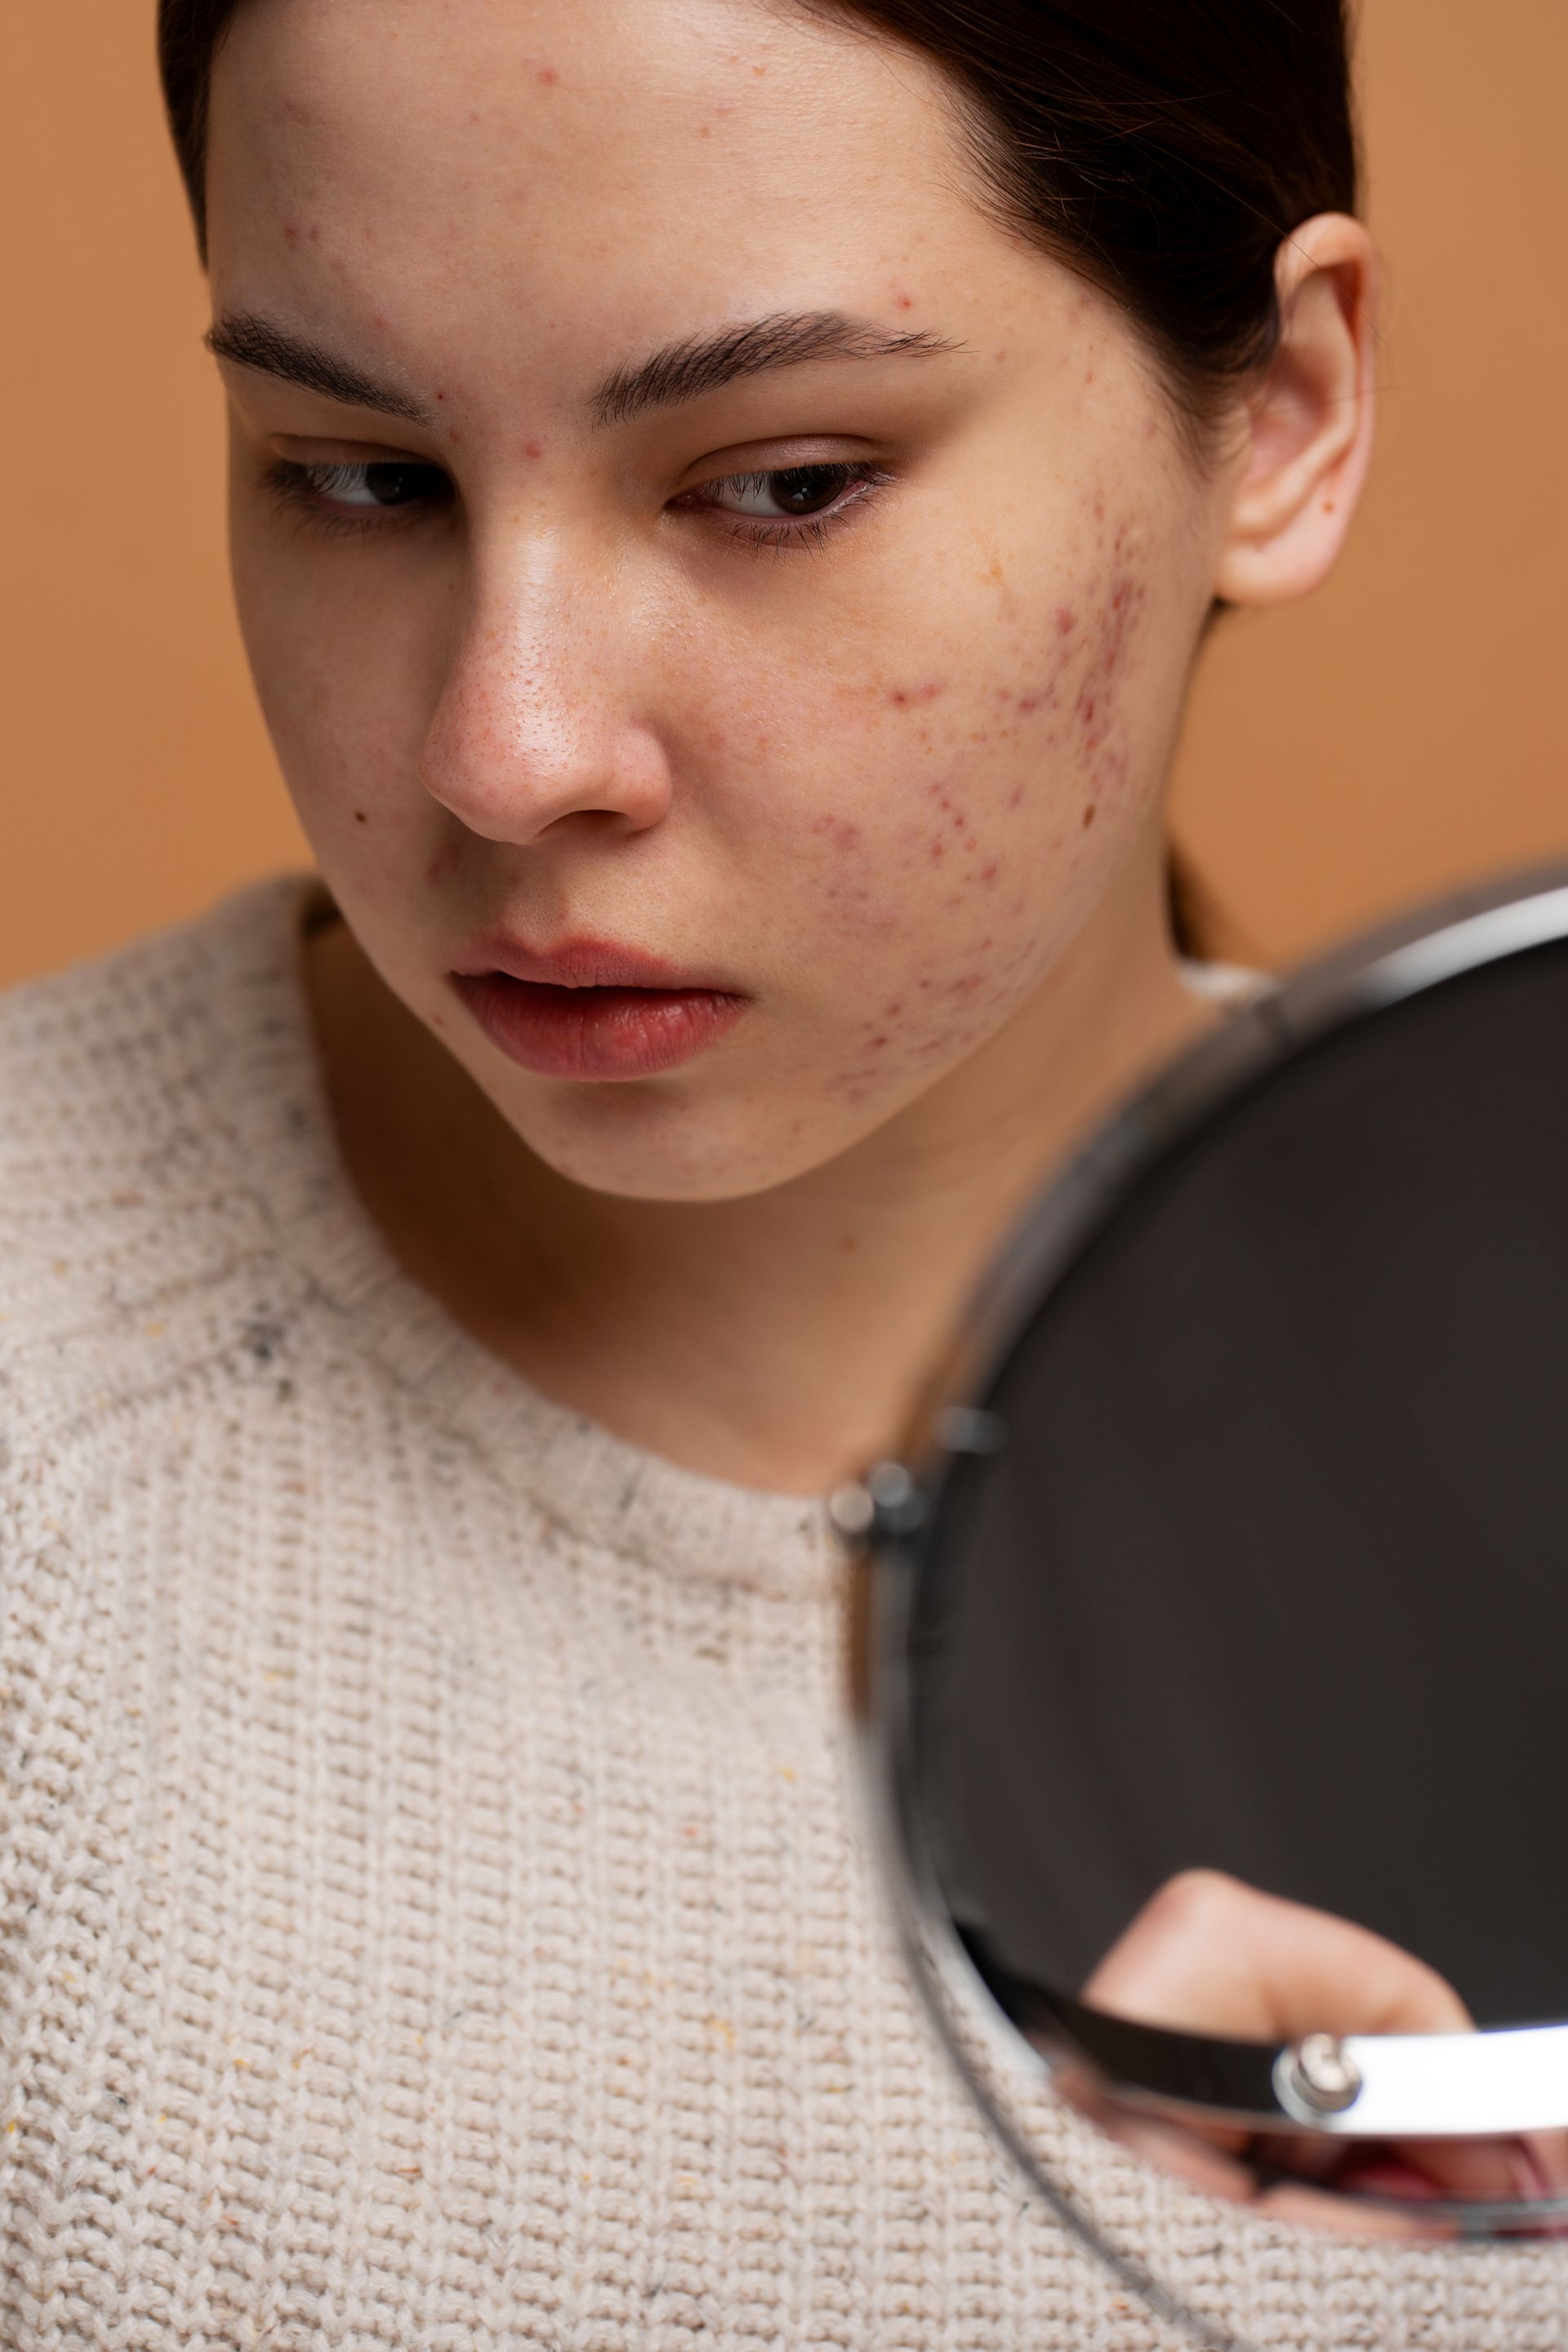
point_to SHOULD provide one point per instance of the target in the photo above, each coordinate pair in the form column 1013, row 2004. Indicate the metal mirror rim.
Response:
column 887, row 1516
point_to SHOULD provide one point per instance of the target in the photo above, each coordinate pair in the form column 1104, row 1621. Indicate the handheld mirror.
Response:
column 1211, row 1637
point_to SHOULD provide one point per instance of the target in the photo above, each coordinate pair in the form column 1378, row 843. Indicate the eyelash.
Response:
column 297, row 491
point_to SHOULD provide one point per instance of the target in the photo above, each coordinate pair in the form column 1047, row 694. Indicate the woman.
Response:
column 726, row 498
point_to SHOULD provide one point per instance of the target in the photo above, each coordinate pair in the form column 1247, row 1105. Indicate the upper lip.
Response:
column 578, row 963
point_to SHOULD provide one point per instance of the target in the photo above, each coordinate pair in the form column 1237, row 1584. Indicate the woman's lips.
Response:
column 594, row 1031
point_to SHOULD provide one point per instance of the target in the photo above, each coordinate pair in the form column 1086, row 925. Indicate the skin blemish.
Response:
column 905, row 302
column 360, row 817
column 905, row 695
column 988, row 874
column 1065, row 620
column 533, row 449
column 1088, row 816
column 291, row 232
column 547, row 77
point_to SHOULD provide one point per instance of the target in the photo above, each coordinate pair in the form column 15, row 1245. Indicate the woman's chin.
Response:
column 635, row 1150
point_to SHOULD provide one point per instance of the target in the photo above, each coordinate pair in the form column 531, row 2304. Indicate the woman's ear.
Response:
column 1309, row 422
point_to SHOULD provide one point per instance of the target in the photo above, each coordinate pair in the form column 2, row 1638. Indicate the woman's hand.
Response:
column 1209, row 1955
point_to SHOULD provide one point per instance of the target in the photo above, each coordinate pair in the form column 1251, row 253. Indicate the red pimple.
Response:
column 988, row 872
column 937, row 853
column 906, row 301
column 533, row 449
column 291, row 232
column 547, row 75
column 1067, row 620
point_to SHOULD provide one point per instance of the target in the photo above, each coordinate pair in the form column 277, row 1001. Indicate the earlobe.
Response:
column 1310, row 420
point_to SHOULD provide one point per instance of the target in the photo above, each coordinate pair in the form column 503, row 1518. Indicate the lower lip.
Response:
column 596, row 1032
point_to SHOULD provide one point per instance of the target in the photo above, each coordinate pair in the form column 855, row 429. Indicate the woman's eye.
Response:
column 786, row 496
column 356, row 492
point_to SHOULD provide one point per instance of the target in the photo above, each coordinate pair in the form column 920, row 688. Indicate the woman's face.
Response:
column 673, row 522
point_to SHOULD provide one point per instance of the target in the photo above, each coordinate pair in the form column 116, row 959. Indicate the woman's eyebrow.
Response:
column 255, row 342
column 701, row 363
column 678, row 372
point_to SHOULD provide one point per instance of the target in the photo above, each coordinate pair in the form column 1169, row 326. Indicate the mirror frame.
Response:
column 1499, row 2080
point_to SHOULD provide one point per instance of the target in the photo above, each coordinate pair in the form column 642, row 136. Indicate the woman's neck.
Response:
column 777, row 1340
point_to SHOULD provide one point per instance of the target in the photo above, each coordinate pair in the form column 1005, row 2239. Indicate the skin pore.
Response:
column 543, row 659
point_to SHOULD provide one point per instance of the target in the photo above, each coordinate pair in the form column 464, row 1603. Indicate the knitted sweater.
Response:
column 433, row 1913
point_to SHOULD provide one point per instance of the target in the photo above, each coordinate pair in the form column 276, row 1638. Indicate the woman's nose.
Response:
column 538, row 721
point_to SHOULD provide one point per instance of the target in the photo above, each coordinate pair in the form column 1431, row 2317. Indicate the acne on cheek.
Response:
column 1078, row 678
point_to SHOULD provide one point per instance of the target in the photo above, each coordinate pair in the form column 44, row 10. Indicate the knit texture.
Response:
column 433, row 1912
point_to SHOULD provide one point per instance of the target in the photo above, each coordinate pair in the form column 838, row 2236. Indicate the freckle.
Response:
column 360, row 817
column 703, row 130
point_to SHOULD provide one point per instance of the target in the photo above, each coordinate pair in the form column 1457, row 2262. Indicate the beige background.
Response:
column 1402, row 730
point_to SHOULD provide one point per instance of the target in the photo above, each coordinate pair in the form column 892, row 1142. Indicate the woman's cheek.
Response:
column 343, row 704
column 1008, row 800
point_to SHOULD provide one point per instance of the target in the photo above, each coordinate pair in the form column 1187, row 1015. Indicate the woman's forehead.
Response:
column 608, row 125
column 547, row 187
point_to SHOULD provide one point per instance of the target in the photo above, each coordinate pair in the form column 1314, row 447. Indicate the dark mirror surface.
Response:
column 1271, row 1576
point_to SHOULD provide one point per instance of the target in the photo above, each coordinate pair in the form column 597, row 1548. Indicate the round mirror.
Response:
column 1211, row 1638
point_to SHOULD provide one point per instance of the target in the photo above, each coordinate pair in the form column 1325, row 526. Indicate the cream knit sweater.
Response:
column 431, row 1903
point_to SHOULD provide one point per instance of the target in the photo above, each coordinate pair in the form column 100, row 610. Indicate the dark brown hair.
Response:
column 1160, row 148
